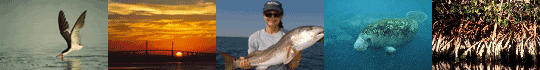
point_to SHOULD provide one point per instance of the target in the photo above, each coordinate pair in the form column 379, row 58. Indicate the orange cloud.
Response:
column 162, row 29
column 156, row 37
column 197, row 25
column 169, row 21
column 148, row 28
column 202, row 8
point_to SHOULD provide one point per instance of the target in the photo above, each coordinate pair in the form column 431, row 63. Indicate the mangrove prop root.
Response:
column 498, row 30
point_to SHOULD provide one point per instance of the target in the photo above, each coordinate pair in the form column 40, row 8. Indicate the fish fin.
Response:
column 229, row 61
column 295, row 62
column 262, row 67
column 253, row 53
column 294, row 54
column 288, row 51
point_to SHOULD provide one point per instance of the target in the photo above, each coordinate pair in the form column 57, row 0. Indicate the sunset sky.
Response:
column 190, row 24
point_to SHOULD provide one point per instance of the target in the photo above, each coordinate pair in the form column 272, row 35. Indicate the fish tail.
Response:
column 229, row 61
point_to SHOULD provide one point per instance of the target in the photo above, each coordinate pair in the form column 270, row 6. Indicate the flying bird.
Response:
column 72, row 38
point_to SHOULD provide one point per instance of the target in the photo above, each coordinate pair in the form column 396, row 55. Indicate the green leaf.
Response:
column 499, row 19
column 505, row 23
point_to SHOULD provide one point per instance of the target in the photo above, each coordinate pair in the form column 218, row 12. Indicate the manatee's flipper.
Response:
column 229, row 61
column 390, row 50
column 418, row 16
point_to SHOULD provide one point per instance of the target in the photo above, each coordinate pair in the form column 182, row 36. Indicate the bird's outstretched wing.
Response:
column 63, row 25
column 75, row 30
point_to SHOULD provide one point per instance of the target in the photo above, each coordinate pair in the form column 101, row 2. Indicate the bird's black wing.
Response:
column 63, row 25
column 75, row 30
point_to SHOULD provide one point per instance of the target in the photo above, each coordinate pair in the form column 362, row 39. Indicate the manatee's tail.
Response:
column 418, row 16
column 229, row 61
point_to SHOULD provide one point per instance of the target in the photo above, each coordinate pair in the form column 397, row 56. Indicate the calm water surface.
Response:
column 43, row 57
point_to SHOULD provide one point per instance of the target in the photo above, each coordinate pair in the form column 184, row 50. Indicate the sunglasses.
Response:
column 275, row 14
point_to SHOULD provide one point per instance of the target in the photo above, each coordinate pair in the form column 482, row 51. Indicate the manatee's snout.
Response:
column 360, row 44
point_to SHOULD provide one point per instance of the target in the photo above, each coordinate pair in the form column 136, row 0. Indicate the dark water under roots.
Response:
column 505, row 56
column 449, row 64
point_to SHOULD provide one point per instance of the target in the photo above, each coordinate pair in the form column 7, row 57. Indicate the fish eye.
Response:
column 368, row 40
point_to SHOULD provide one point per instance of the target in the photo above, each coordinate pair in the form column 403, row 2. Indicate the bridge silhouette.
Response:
column 184, row 53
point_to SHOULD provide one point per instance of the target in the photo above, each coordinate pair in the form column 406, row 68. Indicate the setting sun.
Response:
column 178, row 54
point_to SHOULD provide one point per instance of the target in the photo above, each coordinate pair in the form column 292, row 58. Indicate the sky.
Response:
column 190, row 24
column 244, row 17
column 35, row 22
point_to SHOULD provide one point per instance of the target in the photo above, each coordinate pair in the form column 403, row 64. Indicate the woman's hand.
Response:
column 296, row 61
column 244, row 64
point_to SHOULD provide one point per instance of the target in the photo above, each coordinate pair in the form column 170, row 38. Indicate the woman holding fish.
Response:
column 264, row 38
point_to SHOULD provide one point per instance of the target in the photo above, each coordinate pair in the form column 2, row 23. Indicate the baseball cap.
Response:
column 272, row 5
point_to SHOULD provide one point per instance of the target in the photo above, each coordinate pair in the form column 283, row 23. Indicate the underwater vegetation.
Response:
column 486, row 30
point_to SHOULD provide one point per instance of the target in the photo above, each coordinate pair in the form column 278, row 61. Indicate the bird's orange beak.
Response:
column 61, row 55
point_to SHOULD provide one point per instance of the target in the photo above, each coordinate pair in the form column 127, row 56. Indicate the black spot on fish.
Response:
column 368, row 40
column 387, row 31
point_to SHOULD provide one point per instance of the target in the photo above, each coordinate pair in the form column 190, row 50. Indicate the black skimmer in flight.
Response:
column 72, row 38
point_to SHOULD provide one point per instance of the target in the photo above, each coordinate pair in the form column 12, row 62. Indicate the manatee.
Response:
column 390, row 32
